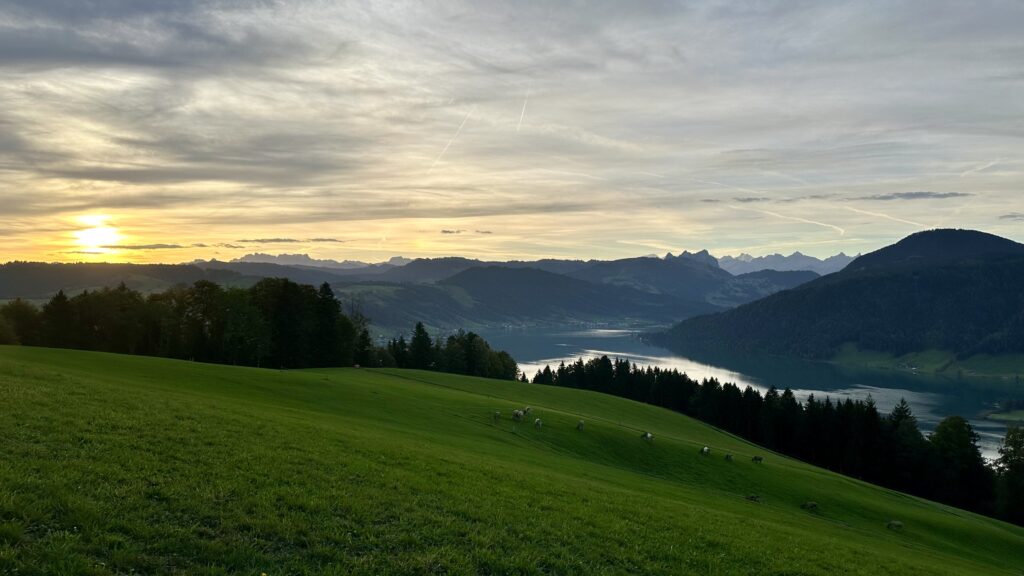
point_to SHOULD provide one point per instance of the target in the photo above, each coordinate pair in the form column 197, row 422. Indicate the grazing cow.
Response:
column 809, row 506
column 728, row 457
column 894, row 525
column 497, row 415
column 647, row 436
column 754, row 498
column 517, row 415
column 705, row 451
column 757, row 459
column 537, row 423
column 527, row 410
column 579, row 426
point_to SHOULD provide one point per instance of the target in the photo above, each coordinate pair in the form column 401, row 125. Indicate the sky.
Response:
column 168, row 131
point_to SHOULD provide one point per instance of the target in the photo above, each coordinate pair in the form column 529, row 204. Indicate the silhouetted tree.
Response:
column 1010, row 467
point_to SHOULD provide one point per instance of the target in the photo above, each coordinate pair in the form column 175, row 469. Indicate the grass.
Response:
column 118, row 465
column 982, row 368
column 1013, row 417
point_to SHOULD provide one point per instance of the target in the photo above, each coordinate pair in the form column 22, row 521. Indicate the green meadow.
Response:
column 130, row 465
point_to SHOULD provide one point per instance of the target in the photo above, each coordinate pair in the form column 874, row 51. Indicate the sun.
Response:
column 101, row 236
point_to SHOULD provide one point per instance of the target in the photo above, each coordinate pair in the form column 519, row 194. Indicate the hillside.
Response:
column 497, row 295
column 117, row 464
column 36, row 280
column 691, row 277
column 955, row 291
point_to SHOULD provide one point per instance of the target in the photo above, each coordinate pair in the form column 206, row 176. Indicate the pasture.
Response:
column 119, row 464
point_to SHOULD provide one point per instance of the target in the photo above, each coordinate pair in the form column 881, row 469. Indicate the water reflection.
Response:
column 930, row 397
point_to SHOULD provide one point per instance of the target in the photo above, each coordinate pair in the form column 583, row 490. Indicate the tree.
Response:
column 1010, row 468
column 421, row 349
column 960, row 475
column 327, row 338
column 7, row 334
column 24, row 318
column 58, row 322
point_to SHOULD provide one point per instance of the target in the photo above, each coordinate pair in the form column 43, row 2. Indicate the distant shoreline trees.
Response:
column 276, row 323
column 847, row 436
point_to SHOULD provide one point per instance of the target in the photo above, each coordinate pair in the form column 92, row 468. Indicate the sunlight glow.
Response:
column 100, row 236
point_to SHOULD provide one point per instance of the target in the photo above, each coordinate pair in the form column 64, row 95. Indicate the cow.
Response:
column 537, row 423
column 579, row 426
column 647, row 436
column 705, row 451
column 757, row 459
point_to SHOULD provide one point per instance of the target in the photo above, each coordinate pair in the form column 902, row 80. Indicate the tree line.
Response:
column 848, row 436
column 460, row 353
column 276, row 323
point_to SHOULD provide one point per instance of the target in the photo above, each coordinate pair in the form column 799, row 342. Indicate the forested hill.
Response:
column 38, row 280
column 952, row 290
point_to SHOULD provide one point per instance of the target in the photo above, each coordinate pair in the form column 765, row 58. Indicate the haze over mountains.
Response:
column 796, row 261
column 955, row 291
column 454, row 292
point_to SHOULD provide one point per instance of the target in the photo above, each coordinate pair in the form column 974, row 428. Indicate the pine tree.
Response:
column 421, row 349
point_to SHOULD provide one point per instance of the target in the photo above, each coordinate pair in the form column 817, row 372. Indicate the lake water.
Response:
column 931, row 398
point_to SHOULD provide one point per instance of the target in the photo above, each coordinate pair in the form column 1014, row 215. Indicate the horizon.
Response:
column 157, row 133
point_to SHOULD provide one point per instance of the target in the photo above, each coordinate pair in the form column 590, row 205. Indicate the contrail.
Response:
column 841, row 231
column 886, row 216
column 457, row 132
column 980, row 168
column 523, row 113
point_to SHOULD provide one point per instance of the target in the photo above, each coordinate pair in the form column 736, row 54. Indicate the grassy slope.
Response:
column 982, row 366
column 1015, row 417
column 110, row 464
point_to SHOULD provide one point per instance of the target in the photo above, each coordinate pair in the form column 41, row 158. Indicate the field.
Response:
column 994, row 372
column 1016, row 416
column 118, row 465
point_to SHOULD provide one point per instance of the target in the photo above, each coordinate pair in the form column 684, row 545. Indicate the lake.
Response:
column 931, row 398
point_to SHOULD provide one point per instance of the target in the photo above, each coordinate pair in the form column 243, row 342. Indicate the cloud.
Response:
column 269, row 241
column 143, row 246
column 329, row 240
column 483, row 232
column 915, row 196
column 452, row 231
column 210, row 119
column 1015, row 216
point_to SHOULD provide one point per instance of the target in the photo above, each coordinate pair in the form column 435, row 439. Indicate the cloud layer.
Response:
column 550, row 129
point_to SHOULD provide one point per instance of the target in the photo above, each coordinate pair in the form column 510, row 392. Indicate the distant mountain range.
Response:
column 957, row 291
column 308, row 261
column 455, row 292
column 745, row 263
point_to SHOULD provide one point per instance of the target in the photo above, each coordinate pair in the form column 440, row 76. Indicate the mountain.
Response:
column 302, row 274
column 299, row 260
column 957, row 291
column 692, row 277
column 939, row 247
column 38, row 280
column 745, row 263
column 756, row 285
column 500, row 295
column 703, row 256
column 682, row 277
